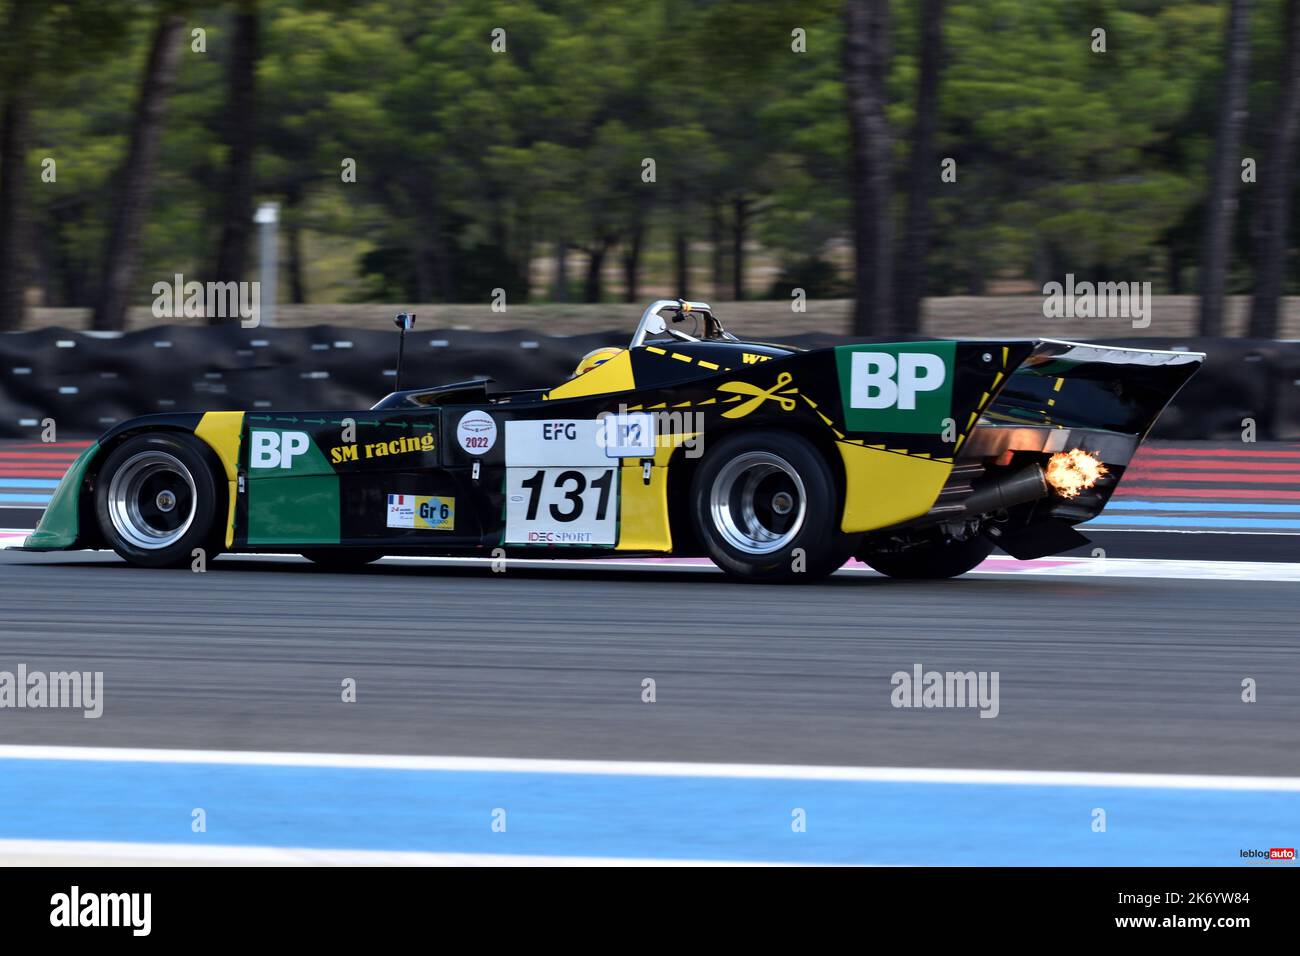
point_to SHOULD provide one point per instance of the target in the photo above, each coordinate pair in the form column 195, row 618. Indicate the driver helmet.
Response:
column 596, row 357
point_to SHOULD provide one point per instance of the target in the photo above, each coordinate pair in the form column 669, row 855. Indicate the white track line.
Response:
column 1052, row 778
column 96, row 853
column 1164, row 568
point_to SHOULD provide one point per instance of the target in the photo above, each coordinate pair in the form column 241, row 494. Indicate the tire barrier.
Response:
column 84, row 381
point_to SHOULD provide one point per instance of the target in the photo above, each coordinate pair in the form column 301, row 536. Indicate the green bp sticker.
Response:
column 282, row 452
column 896, row 388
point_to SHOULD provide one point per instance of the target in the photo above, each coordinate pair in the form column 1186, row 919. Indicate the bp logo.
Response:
column 896, row 388
column 277, row 449
column 274, row 451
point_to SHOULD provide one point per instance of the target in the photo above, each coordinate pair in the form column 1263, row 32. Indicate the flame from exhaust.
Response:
column 1073, row 471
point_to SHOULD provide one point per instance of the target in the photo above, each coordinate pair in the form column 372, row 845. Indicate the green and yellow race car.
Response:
column 777, row 463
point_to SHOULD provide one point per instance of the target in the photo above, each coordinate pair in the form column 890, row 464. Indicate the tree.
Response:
column 134, row 181
column 240, row 135
column 442, row 161
column 866, row 61
column 1277, row 177
column 14, row 121
column 922, row 173
column 1225, row 168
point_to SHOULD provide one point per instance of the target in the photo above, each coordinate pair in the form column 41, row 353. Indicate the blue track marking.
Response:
column 15, row 499
column 1192, row 521
column 636, row 816
column 29, row 482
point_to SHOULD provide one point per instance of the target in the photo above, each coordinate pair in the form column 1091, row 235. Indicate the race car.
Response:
column 777, row 463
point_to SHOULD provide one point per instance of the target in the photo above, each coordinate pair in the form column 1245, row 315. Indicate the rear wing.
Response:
column 1099, row 387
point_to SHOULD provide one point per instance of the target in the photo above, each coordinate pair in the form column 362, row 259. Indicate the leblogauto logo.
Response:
column 1277, row 854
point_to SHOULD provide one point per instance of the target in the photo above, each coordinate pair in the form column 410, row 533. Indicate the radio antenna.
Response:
column 404, row 321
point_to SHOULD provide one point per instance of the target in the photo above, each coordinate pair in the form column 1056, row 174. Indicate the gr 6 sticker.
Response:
column 476, row 432
column 424, row 512
column 896, row 388
column 561, row 506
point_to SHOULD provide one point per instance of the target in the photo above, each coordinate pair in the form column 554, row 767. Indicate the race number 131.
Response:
column 561, row 506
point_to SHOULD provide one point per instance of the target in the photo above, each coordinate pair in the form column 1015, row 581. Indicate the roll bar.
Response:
column 648, row 324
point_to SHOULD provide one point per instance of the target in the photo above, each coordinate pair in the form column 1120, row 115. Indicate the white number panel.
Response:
column 629, row 435
column 561, row 506
column 549, row 443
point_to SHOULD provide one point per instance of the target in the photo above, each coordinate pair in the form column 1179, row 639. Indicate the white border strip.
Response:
column 629, row 768
column 94, row 853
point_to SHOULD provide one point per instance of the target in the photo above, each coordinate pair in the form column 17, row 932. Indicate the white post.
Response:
column 267, row 219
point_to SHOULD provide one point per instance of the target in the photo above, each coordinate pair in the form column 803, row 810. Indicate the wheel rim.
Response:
column 151, row 500
column 758, row 502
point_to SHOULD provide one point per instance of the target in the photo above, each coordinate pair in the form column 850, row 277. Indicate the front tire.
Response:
column 156, row 500
column 767, row 508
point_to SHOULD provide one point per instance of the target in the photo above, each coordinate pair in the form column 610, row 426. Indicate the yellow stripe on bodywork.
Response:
column 882, row 488
column 221, row 431
column 643, row 521
column 612, row 376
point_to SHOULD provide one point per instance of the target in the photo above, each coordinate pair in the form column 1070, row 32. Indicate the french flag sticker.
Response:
column 401, row 511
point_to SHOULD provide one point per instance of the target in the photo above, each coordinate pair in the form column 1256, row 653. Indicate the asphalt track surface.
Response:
column 1097, row 673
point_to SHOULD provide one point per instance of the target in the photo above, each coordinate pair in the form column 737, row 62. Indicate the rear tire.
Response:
column 934, row 559
column 766, row 507
column 157, row 499
column 342, row 558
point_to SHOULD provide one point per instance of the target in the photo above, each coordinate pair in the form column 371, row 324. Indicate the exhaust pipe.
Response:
column 996, row 494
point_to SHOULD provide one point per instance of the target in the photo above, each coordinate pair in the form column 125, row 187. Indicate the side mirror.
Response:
column 404, row 321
